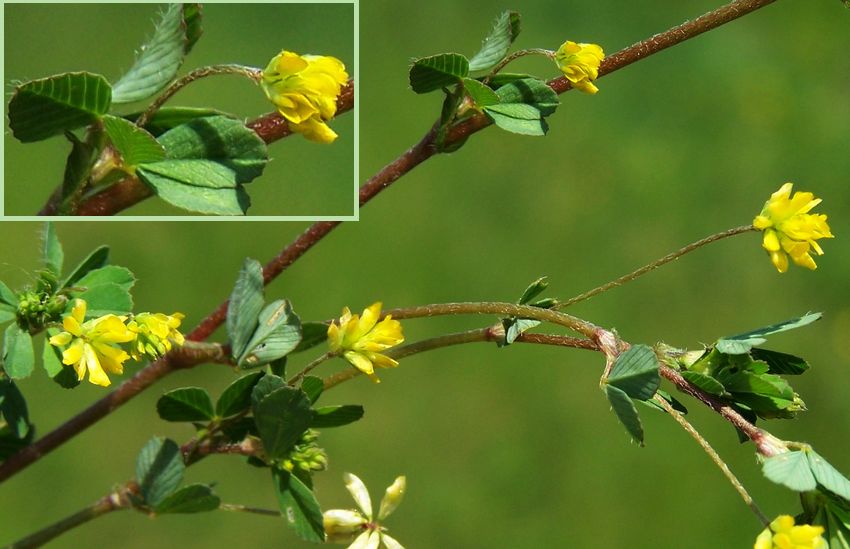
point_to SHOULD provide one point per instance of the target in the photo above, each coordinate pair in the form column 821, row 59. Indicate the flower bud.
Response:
column 342, row 525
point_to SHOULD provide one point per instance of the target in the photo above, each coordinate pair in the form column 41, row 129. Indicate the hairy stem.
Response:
column 197, row 74
column 654, row 265
column 480, row 335
column 186, row 356
column 309, row 368
column 246, row 509
column 583, row 327
column 113, row 502
column 715, row 457
column 516, row 55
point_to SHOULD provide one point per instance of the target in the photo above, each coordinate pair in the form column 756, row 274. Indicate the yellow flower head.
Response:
column 154, row 334
column 359, row 339
column 580, row 64
column 782, row 534
column 789, row 230
column 304, row 89
column 362, row 527
column 90, row 344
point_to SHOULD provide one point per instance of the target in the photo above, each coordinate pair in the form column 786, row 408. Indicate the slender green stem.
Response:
column 715, row 457
column 489, row 334
column 113, row 502
column 212, row 70
column 516, row 55
column 583, row 327
column 654, row 265
column 308, row 368
column 246, row 509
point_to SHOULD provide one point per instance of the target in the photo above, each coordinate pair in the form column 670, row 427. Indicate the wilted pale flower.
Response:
column 580, row 64
column 92, row 344
column 304, row 89
column 360, row 527
column 359, row 338
column 782, row 534
column 154, row 334
column 789, row 230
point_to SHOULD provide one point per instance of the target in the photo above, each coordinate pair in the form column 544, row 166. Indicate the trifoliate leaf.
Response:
column 336, row 416
column 626, row 412
column 515, row 327
column 42, row 108
column 780, row 363
column 495, row 46
column 828, row 476
column 194, row 498
column 236, row 398
column 523, row 106
column 437, row 71
column 267, row 385
column 167, row 118
column 106, row 291
column 635, row 372
column 175, row 33
column 790, row 469
column 7, row 296
column 95, row 260
column 282, row 416
column 135, row 145
column 704, row 382
column 533, row 290
column 185, row 404
column 78, row 166
column 529, row 91
column 18, row 353
column 742, row 343
column 277, row 334
column 246, row 302
column 159, row 470
column 52, row 253
column 313, row 387
column 207, row 162
column 13, row 408
column 298, row 506
column 480, row 93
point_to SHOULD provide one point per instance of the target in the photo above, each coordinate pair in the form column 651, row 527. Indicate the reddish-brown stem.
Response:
column 635, row 52
column 309, row 238
column 185, row 357
column 764, row 442
column 129, row 191
column 390, row 173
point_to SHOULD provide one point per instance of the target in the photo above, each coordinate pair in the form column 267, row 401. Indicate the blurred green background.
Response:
column 304, row 178
column 517, row 447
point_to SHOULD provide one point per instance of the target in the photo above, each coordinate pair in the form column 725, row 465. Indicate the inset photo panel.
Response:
column 181, row 111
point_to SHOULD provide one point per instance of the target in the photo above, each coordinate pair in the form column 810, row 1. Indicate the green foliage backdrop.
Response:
column 517, row 447
column 303, row 179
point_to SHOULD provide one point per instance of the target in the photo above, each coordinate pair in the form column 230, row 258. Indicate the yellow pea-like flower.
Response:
column 789, row 228
column 304, row 89
column 580, row 64
column 783, row 534
column 154, row 334
column 90, row 345
column 360, row 338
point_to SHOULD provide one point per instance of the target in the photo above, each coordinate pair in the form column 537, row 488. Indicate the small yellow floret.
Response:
column 91, row 344
column 359, row 338
column 304, row 89
column 580, row 64
column 789, row 230
column 154, row 334
column 782, row 534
